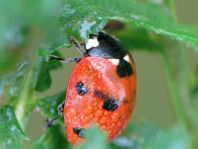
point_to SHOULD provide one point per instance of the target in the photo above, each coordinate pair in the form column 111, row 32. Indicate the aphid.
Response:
column 101, row 88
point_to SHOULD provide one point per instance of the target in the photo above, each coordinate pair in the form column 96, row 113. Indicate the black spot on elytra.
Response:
column 81, row 88
column 109, row 104
column 79, row 131
column 124, row 68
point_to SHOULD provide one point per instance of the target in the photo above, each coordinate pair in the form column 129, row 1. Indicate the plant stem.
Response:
column 178, row 81
column 179, row 85
column 184, row 82
column 171, row 6
column 24, row 98
column 173, row 89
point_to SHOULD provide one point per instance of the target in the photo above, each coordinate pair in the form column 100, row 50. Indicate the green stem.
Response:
column 177, row 74
column 173, row 89
column 25, row 96
column 170, row 4
column 179, row 85
column 183, row 80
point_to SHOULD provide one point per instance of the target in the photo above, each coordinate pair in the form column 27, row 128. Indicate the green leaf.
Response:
column 139, row 39
column 7, row 60
column 42, row 71
column 52, row 139
column 14, row 17
column 149, row 136
column 152, row 17
column 11, row 83
column 24, row 101
column 62, row 41
column 18, row 88
column 11, row 136
column 49, row 105
column 194, row 96
column 123, row 142
column 95, row 138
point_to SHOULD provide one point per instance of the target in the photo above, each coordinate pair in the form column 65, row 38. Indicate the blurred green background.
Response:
column 153, row 100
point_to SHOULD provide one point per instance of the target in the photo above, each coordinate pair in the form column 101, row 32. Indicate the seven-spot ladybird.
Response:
column 101, row 88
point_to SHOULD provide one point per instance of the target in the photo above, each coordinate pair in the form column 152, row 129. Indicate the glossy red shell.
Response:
column 81, row 111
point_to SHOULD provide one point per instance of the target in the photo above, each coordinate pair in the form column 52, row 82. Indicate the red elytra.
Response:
column 101, row 90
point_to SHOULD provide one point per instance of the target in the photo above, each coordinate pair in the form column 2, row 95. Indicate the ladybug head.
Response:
column 104, row 45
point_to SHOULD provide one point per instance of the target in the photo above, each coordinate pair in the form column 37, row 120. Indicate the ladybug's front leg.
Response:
column 77, row 45
column 64, row 60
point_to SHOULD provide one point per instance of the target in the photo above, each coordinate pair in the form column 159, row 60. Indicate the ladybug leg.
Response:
column 51, row 122
column 77, row 45
column 61, row 108
column 64, row 60
column 82, row 44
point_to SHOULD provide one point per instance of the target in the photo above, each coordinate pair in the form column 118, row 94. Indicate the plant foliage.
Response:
column 31, row 31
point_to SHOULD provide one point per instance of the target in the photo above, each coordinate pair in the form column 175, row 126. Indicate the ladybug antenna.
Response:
column 77, row 45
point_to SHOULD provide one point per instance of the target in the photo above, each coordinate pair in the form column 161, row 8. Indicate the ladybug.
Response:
column 101, row 88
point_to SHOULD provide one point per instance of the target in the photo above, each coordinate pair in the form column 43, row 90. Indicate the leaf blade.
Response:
column 149, row 16
column 11, row 135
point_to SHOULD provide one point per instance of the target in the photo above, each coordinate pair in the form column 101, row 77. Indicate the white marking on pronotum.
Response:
column 127, row 58
column 114, row 61
column 92, row 43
